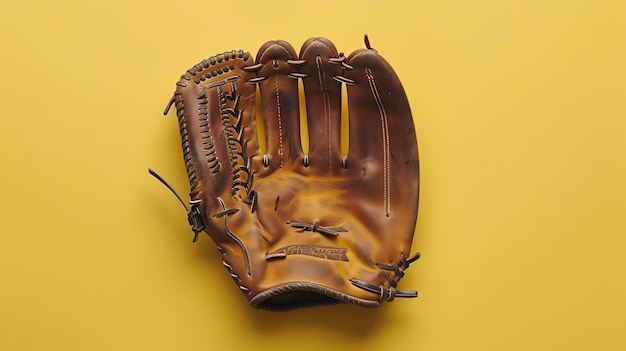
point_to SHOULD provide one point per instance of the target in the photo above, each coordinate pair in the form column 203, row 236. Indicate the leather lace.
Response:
column 193, row 212
column 317, row 228
column 390, row 293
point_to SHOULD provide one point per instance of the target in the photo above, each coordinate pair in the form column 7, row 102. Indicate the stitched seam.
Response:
column 385, row 136
column 328, row 131
column 280, row 125
column 327, row 120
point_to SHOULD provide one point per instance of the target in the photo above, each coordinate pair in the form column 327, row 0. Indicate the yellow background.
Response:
column 521, row 118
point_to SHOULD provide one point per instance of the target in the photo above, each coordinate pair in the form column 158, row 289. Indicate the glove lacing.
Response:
column 390, row 293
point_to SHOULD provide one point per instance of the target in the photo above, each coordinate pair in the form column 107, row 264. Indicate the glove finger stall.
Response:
column 382, row 139
column 279, row 96
column 323, row 103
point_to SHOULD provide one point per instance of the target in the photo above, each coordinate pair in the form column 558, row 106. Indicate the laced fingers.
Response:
column 390, row 293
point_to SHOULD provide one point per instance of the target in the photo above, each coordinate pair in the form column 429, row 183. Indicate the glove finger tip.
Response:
column 318, row 45
column 275, row 49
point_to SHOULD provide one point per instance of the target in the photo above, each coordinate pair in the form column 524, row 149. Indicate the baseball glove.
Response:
column 296, row 227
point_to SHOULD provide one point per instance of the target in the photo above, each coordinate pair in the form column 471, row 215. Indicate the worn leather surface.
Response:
column 296, row 227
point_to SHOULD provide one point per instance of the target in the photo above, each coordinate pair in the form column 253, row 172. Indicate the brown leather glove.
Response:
column 296, row 227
